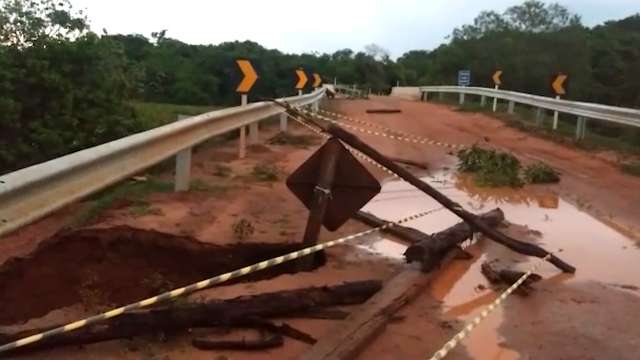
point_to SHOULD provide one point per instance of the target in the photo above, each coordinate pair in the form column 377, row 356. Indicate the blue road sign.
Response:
column 464, row 77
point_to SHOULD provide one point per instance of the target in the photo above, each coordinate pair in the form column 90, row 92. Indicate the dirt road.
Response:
column 569, row 317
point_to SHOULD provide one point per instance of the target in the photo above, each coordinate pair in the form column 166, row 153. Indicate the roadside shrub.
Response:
column 265, row 172
column 242, row 229
column 540, row 173
column 490, row 167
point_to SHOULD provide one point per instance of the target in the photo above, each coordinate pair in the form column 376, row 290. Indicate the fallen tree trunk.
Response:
column 417, row 164
column 408, row 234
column 429, row 252
column 513, row 244
column 349, row 338
column 509, row 277
column 383, row 111
column 233, row 312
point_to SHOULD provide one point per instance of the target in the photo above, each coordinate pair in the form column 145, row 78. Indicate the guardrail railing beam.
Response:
column 29, row 194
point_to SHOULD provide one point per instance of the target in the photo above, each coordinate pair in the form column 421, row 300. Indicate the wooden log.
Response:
column 429, row 252
column 408, row 234
column 513, row 244
column 232, row 312
column 347, row 340
column 266, row 341
column 383, row 111
column 509, row 277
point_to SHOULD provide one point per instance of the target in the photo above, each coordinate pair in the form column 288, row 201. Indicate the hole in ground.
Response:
column 101, row 268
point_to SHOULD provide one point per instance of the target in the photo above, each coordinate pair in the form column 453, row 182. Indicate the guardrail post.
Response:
column 581, row 128
column 512, row 105
column 461, row 98
column 283, row 122
column 242, row 140
column 555, row 116
column 495, row 101
column 183, row 167
column 441, row 96
column 483, row 100
column 539, row 116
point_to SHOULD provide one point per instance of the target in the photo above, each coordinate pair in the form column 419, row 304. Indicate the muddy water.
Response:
column 600, row 253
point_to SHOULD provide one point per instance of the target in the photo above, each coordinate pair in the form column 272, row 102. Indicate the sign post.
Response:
column 464, row 79
column 558, row 88
column 497, row 81
column 249, row 79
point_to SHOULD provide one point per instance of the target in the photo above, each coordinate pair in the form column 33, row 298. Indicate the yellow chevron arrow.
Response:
column 558, row 84
column 496, row 77
column 250, row 76
column 317, row 80
column 302, row 79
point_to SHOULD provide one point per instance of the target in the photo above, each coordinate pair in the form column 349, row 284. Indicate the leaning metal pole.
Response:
column 470, row 218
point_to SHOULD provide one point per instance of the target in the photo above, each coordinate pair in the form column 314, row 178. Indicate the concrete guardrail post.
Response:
column 539, row 116
column 512, row 105
column 581, row 128
column 461, row 98
column 441, row 96
column 483, row 100
column 242, row 140
column 183, row 167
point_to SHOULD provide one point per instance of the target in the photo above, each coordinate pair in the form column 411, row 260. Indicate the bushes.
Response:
column 490, row 167
column 496, row 168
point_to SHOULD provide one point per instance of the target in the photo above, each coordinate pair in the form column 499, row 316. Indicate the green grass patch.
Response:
column 265, row 172
column 632, row 168
column 540, row 173
column 490, row 167
column 134, row 191
column 156, row 114
column 283, row 138
column 201, row 186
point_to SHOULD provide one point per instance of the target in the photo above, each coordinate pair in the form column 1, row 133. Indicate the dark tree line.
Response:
column 64, row 88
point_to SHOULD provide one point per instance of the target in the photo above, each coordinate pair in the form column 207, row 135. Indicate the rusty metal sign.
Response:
column 353, row 185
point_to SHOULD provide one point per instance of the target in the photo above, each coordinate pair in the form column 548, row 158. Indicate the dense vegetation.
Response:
column 64, row 88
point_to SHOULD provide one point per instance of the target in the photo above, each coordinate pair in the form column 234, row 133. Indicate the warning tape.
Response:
column 355, row 152
column 440, row 354
column 405, row 137
column 201, row 285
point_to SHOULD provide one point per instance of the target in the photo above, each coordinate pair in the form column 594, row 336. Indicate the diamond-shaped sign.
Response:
column 353, row 186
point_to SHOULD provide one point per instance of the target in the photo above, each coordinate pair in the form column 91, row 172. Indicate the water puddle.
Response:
column 598, row 252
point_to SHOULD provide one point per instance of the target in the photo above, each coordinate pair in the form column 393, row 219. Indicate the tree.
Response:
column 27, row 22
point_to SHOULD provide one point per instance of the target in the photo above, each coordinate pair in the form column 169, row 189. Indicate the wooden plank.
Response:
column 364, row 324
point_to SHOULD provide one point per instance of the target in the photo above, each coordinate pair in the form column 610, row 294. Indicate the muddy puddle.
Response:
column 600, row 253
column 102, row 268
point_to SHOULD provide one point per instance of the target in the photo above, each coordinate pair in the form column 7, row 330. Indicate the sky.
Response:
column 319, row 25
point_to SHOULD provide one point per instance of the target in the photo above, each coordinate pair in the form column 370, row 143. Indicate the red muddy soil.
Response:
column 580, row 317
column 101, row 268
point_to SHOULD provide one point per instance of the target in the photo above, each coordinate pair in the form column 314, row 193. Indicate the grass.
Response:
column 157, row 114
column 283, row 138
column 540, row 173
column 135, row 191
column 632, row 168
column 490, row 167
column 242, row 229
column 265, row 172
column 201, row 186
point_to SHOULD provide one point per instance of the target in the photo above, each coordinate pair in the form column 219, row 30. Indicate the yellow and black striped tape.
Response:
column 405, row 137
column 199, row 285
column 440, row 354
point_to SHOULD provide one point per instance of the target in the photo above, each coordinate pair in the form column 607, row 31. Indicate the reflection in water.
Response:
column 599, row 252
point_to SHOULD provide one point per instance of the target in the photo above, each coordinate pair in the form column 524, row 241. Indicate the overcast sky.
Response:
column 302, row 26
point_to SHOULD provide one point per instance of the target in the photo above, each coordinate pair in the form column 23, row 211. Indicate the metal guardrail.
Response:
column 615, row 114
column 29, row 194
